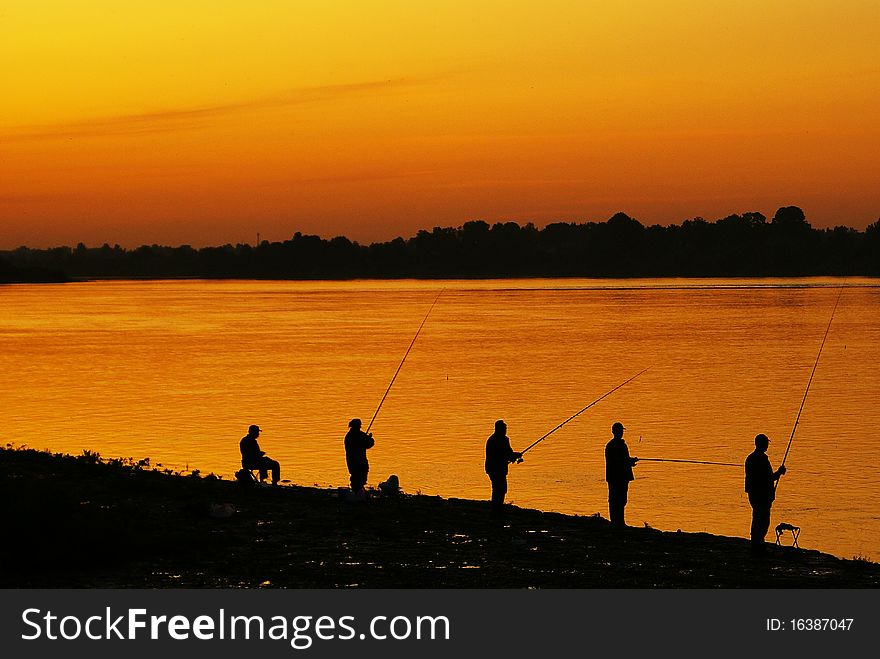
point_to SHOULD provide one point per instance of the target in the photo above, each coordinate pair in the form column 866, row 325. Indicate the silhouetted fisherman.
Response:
column 498, row 456
column 356, row 444
column 761, row 488
column 618, row 474
column 253, row 458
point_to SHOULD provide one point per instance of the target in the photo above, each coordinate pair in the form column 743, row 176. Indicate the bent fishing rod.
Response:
column 809, row 382
column 577, row 414
column 406, row 354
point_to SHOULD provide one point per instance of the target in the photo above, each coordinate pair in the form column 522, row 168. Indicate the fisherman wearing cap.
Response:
column 498, row 456
column 356, row 444
column 253, row 458
column 618, row 474
column 761, row 488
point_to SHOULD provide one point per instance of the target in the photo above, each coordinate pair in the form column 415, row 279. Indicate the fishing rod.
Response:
column 577, row 414
column 406, row 354
column 694, row 462
column 809, row 382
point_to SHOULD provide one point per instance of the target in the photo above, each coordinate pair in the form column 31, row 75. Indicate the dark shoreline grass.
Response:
column 83, row 522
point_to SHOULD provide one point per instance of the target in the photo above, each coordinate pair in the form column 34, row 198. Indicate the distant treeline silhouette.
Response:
column 738, row 245
column 27, row 274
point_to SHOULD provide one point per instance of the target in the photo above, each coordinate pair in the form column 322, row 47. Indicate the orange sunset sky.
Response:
column 205, row 122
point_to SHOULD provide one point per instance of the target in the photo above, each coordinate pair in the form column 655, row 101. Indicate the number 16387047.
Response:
column 810, row 624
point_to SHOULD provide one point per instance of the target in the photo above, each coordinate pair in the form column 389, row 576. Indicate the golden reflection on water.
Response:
column 176, row 371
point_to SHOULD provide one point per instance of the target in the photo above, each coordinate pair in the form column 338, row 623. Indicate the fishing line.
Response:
column 694, row 462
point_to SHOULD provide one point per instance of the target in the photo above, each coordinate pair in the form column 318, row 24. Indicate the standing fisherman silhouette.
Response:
column 356, row 441
column 498, row 456
column 356, row 444
column 761, row 488
column 618, row 474
column 253, row 458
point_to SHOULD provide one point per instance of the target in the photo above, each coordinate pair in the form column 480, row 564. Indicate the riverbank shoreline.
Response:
column 83, row 522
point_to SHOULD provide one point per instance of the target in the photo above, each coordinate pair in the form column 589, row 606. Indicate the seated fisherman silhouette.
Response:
column 253, row 458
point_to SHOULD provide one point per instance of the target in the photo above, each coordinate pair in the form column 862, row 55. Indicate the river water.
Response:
column 177, row 370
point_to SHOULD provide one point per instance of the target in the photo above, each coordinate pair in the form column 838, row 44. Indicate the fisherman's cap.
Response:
column 500, row 423
column 761, row 438
column 253, row 429
column 354, row 423
column 617, row 426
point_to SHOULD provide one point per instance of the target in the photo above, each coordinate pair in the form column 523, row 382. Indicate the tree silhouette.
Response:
column 790, row 217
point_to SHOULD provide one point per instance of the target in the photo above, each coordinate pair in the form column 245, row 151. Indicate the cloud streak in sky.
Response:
column 194, row 117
